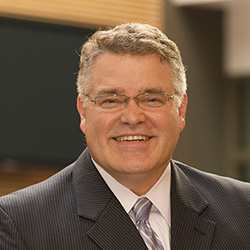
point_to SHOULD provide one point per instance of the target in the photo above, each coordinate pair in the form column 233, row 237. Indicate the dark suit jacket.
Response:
column 75, row 209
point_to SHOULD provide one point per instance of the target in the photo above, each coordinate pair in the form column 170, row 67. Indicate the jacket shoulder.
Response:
column 40, row 192
column 214, row 184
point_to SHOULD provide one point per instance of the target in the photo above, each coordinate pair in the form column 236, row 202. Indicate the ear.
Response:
column 182, row 112
column 82, row 113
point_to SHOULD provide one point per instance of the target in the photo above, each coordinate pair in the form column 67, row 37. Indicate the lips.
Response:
column 132, row 138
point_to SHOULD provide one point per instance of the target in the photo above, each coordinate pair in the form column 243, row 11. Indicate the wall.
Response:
column 198, row 34
column 85, row 13
column 237, row 39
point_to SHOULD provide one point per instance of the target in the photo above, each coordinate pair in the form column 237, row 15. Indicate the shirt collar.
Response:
column 159, row 195
column 127, row 198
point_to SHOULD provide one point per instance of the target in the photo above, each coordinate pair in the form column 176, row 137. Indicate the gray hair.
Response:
column 132, row 38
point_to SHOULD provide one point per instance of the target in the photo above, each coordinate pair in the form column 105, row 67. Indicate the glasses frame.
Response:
column 169, row 97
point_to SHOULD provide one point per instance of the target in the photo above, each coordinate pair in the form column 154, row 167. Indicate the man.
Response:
column 125, row 191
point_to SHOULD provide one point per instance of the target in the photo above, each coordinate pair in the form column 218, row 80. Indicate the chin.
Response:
column 133, row 168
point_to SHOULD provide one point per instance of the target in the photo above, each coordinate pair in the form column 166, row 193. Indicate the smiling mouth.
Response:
column 132, row 138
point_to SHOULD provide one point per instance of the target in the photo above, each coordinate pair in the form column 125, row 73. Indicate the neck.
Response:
column 139, row 184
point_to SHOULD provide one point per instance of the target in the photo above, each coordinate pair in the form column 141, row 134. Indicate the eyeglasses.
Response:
column 145, row 101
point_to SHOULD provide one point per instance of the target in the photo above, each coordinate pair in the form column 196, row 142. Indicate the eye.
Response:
column 109, row 101
column 153, row 100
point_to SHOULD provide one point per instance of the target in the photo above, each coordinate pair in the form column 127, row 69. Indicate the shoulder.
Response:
column 39, row 194
column 216, row 185
column 56, row 190
column 38, row 209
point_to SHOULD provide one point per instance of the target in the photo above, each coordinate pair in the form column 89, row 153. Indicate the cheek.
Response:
column 170, row 125
column 95, row 126
column 167, row 120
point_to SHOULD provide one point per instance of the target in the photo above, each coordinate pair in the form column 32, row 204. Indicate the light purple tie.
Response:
column 141, row 211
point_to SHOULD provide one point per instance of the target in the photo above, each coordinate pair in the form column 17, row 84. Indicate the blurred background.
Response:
column 39, row 46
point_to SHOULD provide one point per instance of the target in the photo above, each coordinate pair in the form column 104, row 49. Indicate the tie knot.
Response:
column 141, row 209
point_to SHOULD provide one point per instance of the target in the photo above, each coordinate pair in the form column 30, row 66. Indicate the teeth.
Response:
column 132, row 138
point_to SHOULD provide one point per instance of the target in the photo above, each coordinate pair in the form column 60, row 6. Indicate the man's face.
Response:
column 131, row 158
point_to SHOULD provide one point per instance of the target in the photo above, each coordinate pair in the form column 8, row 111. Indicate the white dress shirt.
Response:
column 159, row 195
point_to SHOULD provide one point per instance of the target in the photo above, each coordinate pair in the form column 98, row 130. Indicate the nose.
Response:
column 132, row 114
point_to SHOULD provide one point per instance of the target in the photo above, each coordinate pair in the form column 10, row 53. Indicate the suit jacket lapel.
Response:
column 189, row 230
column 113, row 229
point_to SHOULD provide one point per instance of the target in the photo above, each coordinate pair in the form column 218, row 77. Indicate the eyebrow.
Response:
column 154, row 90
column 110, row 91
column 113, row 91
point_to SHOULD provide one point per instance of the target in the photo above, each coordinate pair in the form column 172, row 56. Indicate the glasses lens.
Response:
column 110, row 101
column 152, row 100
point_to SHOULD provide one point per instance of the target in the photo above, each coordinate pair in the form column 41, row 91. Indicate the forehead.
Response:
column 130, row 73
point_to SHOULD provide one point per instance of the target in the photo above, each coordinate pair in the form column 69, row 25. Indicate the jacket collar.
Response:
column 92, row 193
column 182, row 186
column 189, row 229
